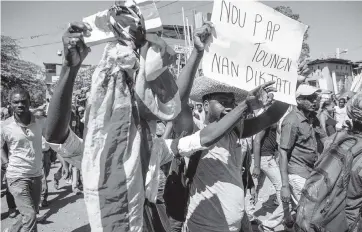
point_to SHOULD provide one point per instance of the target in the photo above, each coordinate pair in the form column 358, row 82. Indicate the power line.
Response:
column 168, row 4
column 45, row 44
column 38, row 45
column 354, row 49
column 190, row 8
column 60, row 29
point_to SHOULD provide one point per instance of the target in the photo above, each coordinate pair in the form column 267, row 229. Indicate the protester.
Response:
column 246, row 145
column 354, row 193
column 336, row 205
column 327, row 117
column 80, row 122
column 72, row 145
column 74, row 172
column 200, row 113
column 58, row 132
column 341, row 114
column 301, row 133
column 265, row 149
column 62, row 171
column 217, row 192
column 22, row 134
column 155, row 213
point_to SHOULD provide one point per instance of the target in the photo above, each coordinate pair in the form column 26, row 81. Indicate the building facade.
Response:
column 331, row 74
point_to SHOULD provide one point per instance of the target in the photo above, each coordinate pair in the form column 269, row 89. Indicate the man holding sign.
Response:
column 270, row 43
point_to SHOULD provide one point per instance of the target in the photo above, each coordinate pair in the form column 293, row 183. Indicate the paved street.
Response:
column 67, row 213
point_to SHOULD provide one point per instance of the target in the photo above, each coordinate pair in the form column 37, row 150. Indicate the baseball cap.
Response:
column 306, row 90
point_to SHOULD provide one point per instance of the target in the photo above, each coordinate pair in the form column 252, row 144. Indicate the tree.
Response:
column 16, row 72
column 84, row 77
column 286, row 10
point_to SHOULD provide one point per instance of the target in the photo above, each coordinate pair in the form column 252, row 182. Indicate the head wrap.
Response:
column 354, row 108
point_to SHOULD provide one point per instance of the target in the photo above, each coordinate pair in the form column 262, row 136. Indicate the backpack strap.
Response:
column 355, row 223
column 357, row 148
column 343, row 136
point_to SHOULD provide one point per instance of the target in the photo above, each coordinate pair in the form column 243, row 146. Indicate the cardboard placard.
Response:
column 253, row 44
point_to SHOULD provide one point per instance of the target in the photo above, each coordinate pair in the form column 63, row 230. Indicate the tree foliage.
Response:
column 17, row 72
column 82, row 85
column 286, row 10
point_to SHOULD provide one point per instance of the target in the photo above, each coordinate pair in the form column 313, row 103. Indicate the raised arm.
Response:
column 187, row 75
column 184, row 121
column 59, row 109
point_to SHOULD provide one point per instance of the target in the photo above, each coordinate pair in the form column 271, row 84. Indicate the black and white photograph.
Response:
column 181, row 116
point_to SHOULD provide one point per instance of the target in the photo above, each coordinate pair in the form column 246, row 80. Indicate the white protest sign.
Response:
column 253, row 44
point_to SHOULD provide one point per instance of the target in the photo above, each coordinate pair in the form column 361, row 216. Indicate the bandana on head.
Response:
column 354, row 108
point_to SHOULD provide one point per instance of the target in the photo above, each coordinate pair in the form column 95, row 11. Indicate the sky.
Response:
column 333, row 24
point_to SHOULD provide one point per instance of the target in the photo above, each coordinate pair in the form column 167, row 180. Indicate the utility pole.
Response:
column 338, row 52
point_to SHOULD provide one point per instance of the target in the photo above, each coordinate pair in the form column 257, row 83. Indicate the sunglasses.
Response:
column 313, row 97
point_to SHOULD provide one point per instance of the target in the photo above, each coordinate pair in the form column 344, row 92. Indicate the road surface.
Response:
column 67, row 213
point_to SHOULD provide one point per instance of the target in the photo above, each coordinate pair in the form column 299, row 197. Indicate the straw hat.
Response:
column 203, row 86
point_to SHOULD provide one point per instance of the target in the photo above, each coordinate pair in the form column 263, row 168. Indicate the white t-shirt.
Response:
column 341, row 117
column 25, row 147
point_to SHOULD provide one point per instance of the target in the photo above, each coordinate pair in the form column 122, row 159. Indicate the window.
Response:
column 346, row 67
column 313, row 83
column 318, row 66
column 336, row 66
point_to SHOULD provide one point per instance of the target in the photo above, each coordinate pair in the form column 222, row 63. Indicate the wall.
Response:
column 324, row 71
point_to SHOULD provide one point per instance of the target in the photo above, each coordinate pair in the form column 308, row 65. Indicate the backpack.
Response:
column 323, row 199
column 178, row 182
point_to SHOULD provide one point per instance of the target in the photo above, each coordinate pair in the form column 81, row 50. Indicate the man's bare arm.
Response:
column 271, row 116
column 186, row 77
column 59, row 109
column 256, row 149
column 284, row 167
column 216, row 130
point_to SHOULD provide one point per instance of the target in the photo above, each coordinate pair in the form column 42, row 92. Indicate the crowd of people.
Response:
column 21, row 157
column 200, row 163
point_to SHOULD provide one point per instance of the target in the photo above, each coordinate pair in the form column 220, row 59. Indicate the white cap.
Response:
column 306, row 90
